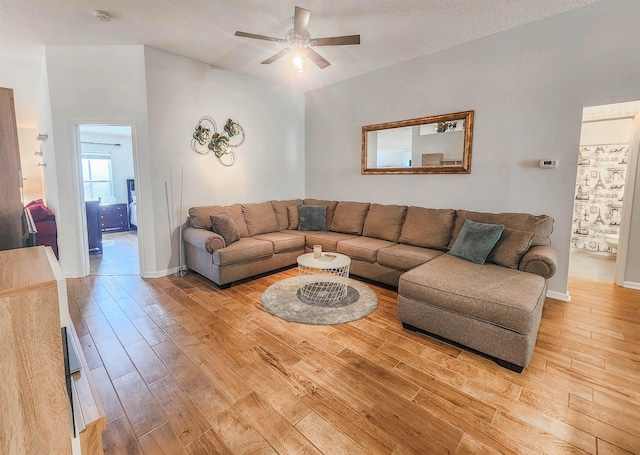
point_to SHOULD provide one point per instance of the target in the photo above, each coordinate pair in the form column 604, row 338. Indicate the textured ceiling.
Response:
column 391, row 31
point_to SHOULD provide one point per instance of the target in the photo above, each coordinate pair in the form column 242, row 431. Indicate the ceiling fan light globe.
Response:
column 298, row 61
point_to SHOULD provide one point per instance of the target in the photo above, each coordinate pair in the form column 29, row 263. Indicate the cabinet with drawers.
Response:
column 114, row 217
column 39, row 395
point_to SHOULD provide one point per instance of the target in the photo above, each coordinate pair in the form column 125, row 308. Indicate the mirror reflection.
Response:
column 438, row 144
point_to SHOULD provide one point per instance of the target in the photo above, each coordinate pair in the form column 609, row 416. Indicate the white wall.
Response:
column 45, row 126
column 163, row 96
column 528, row 87
column 31, row 172
column 20, row 70
column 93, row 84
column 270, row 163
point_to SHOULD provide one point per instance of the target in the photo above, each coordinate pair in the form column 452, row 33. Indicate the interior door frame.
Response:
column 85, row 265
column 629, row 187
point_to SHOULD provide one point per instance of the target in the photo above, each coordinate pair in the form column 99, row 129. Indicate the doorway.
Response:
column 109, row 193
column 599, row 229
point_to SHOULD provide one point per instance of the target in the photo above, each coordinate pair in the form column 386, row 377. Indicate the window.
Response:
column 96, row 176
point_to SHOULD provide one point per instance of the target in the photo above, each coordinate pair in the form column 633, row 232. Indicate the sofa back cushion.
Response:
column 331, row 207
column 280, row 207
column 260, row 218
column 199, row 217
column 349, row 217
column 428, row 228
column 384, row 222
column 293, row 212
column 540, row 225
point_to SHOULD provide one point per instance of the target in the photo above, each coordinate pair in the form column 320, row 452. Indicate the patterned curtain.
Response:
column 599, row 191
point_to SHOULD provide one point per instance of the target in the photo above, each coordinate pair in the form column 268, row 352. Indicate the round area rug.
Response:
column 281, row 300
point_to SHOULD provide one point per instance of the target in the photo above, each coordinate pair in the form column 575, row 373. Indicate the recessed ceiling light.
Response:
column 102, row 16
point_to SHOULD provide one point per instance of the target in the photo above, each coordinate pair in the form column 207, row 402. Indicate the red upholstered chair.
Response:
column 45, row 222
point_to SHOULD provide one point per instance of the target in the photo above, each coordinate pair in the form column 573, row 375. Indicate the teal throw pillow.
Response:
column 313, row 218
column 476, row 240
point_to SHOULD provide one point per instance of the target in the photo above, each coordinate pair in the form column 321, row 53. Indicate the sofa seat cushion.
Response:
column 283, row 242
column 498, row 295
column 405, row 257
column 246, row 249
column 295, row 232
column 328, row 240
column 363, row 248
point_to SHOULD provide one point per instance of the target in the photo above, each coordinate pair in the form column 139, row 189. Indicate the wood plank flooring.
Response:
column 184, row 368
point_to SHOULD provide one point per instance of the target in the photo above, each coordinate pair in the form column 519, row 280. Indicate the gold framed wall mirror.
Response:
column 440, row 144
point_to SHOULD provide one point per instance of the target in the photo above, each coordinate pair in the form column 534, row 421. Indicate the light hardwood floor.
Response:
column 182, row 367
column 119, row 255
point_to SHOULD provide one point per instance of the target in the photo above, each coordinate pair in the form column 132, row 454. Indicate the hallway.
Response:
column 119, row 255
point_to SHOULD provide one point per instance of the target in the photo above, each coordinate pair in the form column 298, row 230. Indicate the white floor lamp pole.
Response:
column 181, row 270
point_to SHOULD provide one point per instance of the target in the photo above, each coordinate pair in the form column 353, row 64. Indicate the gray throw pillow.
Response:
column 476, row 240
column 224, row 226
column 313, row 218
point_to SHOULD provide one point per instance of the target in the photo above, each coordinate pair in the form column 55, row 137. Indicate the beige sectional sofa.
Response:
column 493, row 308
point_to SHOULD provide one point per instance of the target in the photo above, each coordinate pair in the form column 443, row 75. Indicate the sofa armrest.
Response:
column 203, row 239
column 541, row 260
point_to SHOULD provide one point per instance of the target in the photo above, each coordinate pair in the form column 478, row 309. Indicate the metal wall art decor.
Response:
column 206, row 139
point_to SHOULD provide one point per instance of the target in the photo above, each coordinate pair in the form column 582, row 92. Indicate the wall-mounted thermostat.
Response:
column 546, row 164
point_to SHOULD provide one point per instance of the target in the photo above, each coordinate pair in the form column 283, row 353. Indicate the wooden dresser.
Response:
column 35, row 415
column 94, row 229
column 114, row 217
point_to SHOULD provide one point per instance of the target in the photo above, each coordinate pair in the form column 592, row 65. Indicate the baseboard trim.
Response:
column 565, row 297
column 631, row 285
column 160, row 273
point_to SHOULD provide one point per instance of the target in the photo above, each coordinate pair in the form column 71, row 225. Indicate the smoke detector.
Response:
column 102, row 16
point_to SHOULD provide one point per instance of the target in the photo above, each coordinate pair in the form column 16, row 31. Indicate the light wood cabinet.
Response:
column 10, row 199
column 35, row 408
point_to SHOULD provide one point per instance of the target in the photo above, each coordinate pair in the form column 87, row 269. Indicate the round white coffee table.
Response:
column 323, row 280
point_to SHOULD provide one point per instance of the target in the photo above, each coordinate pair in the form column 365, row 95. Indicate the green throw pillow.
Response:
column 476, row 240
column 313, row 218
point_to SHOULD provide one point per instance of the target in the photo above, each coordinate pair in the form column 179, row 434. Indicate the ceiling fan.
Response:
column 299, row 40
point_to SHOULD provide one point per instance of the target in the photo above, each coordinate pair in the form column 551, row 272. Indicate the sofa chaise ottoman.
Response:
column 493, row 308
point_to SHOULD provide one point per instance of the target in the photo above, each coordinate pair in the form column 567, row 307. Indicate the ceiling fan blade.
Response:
column 273, row 58
column 336, row 40
column 317, row 59
column 301, row 20
column 262, row 37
